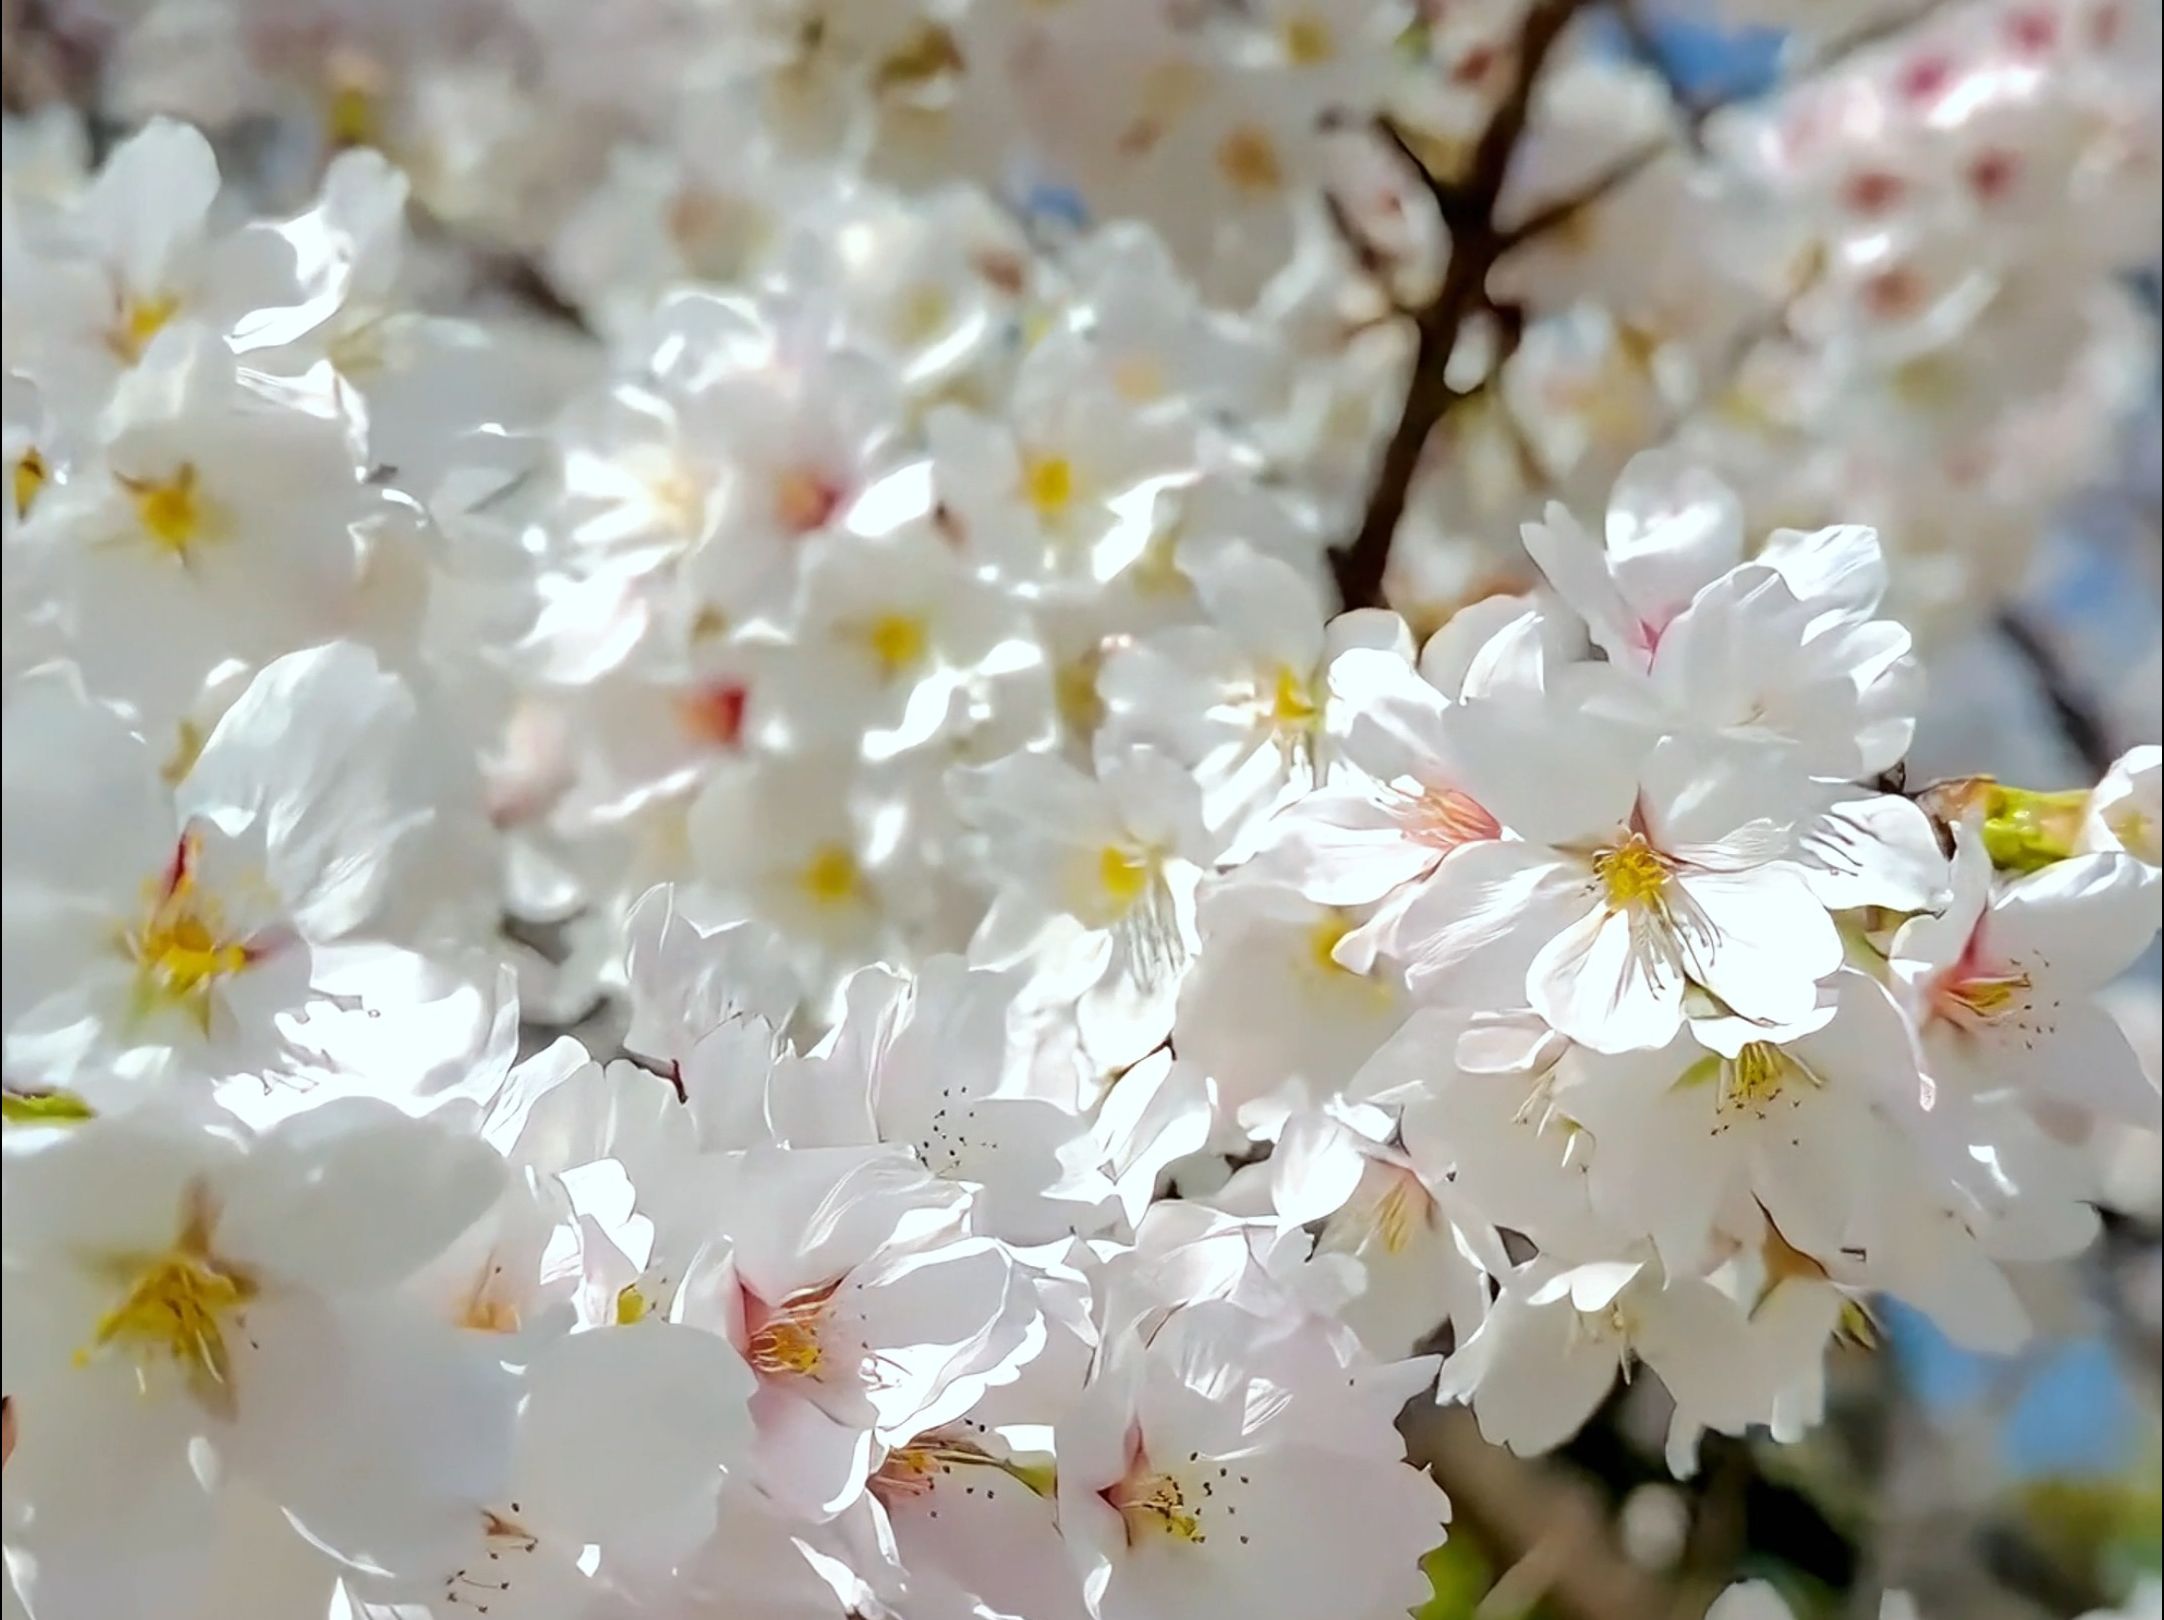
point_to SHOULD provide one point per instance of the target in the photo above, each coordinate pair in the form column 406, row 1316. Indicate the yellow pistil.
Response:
column 137, row 322
column 1292, row 699
column 631, row 1305
column 1632, row 872
column 832, row 877
column 28, row 478
column 1248, row 160
column 172, row 511
column 176, row 1308
column 898, row 641
column 1123, row 874
column 1048, row 484
column 1154, row 1504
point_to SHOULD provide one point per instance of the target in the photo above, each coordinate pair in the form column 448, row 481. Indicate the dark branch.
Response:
column 1468, row 208
column 2083, row 728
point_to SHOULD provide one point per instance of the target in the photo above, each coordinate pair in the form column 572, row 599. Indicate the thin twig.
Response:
column 1468, row 208
column 2079, row 722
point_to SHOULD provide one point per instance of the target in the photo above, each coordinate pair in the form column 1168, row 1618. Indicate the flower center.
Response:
column 1153, row 1504
column 1123, row 874
column 898, row 641
column 176, row 1308
column 171, row 511
column 1983, row 996
column 832, row 877
column 785, row 1343
column 1292, row 701
column 181, row 951
column 1048, row 484
column 1633, row 873
column 1754, row 1078
column 138, row 321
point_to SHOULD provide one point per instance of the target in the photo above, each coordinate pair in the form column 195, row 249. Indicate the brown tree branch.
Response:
column 1477, row 242
column 1468, row 209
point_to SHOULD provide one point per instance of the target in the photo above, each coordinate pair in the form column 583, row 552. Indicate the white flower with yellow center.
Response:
column 1647, row 882
column 2002, row 985
column 1683, row 1134
column 1096, row 880
column 176, row 926
column 188, row 1304
column 220, row 507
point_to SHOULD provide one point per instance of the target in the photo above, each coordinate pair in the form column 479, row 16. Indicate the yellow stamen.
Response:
column 832, row 877
column 1987, row 995
column 898, row 641
column 1048, row 483
column 1292, row 701
column 1632, row 872
column 1154, row 1504
column 1123, row 874
column 1755, row 1077
column 171, row 511
column 181, row 950
column 29, row 477
column 140, row 320
column 176, row 1307
column 631, row 1305
column 787, row 1344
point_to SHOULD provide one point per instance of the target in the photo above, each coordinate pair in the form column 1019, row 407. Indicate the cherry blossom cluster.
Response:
column 716, row 905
